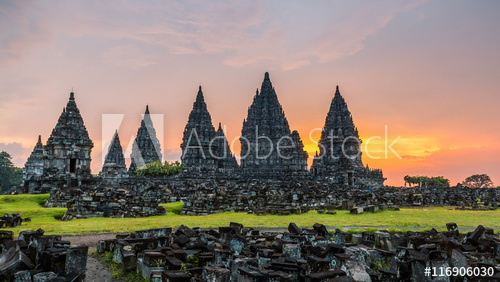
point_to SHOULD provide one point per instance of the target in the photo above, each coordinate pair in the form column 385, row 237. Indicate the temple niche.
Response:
column 339, row 158
column 205, row 150
column 65, row 158
column 146, row 148
column 114, row 167
column 268, row 148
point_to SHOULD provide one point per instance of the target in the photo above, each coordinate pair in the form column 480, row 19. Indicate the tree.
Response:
column 427, row 181
column 478, row 181
column 9, row 174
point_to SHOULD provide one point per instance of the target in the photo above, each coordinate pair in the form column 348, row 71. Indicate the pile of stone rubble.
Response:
column 238, row 253
column 12, row 220
column 37, row 257
column 139, row 198
column 105, row 202
column 283, row 198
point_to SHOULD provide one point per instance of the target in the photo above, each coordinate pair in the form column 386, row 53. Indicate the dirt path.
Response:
column 96, row 271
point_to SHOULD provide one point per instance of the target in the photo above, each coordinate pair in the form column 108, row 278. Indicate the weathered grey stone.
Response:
column 340, row 157
column 22, row 276
column 216, row 274
column 146, row 148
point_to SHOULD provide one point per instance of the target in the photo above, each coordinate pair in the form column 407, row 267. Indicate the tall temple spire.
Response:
column 114, row 167
column 340, row 152
column 70, row 126
column 67, row 153
column 115, row 152
column 200, row 100
column 146, row 147
column 34, row 165
column 197, row 148
column 265, row 118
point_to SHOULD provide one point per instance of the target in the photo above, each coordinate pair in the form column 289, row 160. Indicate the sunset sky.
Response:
column 429, row 71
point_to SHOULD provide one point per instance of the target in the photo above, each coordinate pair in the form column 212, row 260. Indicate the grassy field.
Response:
column 407, row 218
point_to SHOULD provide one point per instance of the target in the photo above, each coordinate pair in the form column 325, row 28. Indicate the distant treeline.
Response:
column 473, row 181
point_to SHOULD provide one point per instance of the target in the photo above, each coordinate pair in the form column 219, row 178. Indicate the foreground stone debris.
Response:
column 38, row 257
column 238, row 253
column 12, row 220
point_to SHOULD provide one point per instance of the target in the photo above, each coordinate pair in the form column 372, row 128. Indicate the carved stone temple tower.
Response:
column 146, row 148
column 339, row 158
column 33, row 169
column 203, row 149
column 225, row 159
column 114, row 167
column 268, row 149
column 66, row 155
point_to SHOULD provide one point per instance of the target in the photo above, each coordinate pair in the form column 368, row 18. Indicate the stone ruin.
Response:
column 139, row 197
column 136, row 200
column 265, row 131
column 12, row 220
column 37, row 257
column 238, row 253
column 339, row 158
column 64, row 161
column 146, row 147
column 290, row 197
column 204, row 150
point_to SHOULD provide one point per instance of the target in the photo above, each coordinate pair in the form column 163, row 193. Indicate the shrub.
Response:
column 157, row 169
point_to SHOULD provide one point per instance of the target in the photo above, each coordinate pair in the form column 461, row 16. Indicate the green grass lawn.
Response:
column 408, row 218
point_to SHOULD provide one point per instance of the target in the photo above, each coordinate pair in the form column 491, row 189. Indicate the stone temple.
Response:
column 146, row 147
column 65, row 158
column 114, row 166
column 339, row 158
column 268, row 148
column 205, row 150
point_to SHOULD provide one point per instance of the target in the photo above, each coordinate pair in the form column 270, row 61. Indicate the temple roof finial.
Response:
column 72, row 95
column 199, row 96
column 266, row 76
column 39, row 142
column 147, row 110
column 220, row 127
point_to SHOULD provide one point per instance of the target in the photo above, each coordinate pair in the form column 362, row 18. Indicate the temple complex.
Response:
column 203, row 149
column 268, row 148
column 339, row 158
column 146, row 147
